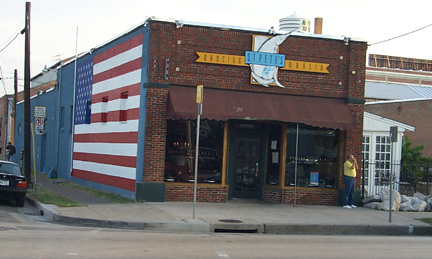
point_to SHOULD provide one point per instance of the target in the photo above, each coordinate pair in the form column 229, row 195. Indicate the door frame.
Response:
column 246, row 130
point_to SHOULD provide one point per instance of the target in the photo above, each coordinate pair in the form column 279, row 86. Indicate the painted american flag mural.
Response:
column 106, row 116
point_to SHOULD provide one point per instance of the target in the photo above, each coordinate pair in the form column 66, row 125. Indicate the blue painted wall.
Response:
column 53, row 149
column 43, row 143
column 143, row 101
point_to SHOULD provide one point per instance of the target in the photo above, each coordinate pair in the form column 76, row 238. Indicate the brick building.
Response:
column 280, row 112
column 6, row 106
column 400, row 88
column 414, row 112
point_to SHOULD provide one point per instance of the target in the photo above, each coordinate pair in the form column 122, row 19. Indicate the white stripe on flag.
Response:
column 109, row 127
column 112, row 170
column 131, row 78
column 118, row 60
column 116, row 149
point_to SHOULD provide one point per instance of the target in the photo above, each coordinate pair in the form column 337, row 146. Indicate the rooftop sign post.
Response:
column 199, row 100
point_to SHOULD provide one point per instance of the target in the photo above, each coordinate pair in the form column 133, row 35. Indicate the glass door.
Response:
column 247, row 168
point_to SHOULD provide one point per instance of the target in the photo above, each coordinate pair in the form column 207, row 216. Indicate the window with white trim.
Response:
column 104, row 110
column 123, row 106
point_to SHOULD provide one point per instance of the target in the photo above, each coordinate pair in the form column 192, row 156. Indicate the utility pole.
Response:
column 15, row 94
column 27, row 135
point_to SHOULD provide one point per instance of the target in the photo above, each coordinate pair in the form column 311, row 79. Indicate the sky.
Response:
column 54, row 24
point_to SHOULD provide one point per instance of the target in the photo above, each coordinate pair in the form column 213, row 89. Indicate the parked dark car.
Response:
column 13, row 184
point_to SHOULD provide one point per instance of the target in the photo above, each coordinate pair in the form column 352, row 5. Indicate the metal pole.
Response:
column 427, row 178
column 15, row 92
column 363, row 178
column 34, row 156
column 196, row 157
column 27, row 137
column 73, row 103
column 295, row 168
column 391, row 181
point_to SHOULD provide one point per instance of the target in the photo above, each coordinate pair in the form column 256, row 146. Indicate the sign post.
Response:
column 39, row 113
column 39, row 122
column 393, row 138
column 199, row 101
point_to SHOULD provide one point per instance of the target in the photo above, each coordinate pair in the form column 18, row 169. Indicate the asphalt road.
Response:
column 24, row 234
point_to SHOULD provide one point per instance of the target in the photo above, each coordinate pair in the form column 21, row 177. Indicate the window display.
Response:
column 180, row 151
column 316, row 153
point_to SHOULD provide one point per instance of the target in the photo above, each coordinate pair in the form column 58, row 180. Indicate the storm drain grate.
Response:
column 230, row 221
column 234, row 228
column 244, row 231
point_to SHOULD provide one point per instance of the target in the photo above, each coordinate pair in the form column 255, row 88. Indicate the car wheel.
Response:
column 20, row 203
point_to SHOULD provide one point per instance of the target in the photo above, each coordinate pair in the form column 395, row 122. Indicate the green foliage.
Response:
column 426, row 220
column 410, row 156
column 106, row 195
column 47, row 197
column 413, row 161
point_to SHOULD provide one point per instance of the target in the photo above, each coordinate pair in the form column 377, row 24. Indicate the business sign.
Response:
column 264, row 60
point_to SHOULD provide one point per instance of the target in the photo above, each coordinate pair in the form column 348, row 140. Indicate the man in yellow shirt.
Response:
column 350, row 168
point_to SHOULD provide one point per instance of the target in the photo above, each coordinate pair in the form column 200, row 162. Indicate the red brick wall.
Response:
column 204, row 193
column 179, row 45
column 414, row 113
column 353, row 142
column 273, row 195
column 304, row 196
column 155, row 135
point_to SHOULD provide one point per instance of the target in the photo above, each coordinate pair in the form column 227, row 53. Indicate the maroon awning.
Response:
column 223, row 105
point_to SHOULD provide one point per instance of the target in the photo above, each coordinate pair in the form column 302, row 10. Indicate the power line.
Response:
column 1, row 74
column 18, row 32
column 10, row 42
column 401, row 35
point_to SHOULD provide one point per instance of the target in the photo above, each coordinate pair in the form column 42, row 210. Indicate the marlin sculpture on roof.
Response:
column 265, row 74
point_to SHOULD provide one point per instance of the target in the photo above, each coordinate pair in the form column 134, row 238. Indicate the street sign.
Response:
column 39, row 111
column 39, row 125
column 199, row 94
column 393, row 133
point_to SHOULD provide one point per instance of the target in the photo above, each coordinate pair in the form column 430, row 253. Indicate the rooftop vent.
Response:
column 294, row 22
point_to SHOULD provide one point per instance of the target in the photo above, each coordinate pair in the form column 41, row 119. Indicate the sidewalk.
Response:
column 243, row 216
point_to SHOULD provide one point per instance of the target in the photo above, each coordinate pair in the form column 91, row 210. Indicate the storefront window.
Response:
column 317, row 154
column 180, row 151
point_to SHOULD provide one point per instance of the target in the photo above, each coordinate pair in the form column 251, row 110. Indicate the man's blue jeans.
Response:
column 349, row 190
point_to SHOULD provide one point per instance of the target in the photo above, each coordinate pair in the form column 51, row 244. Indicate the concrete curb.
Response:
column 47, row 211
column 400, row 230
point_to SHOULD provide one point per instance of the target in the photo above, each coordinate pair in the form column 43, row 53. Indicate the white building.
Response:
column 379, row 152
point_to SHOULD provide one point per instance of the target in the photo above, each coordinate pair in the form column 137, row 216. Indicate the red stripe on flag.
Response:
column 115, row 94
column 118, row 70
column 115, row 137
column 124, row 161
column 120, row 48
column 119, row 182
